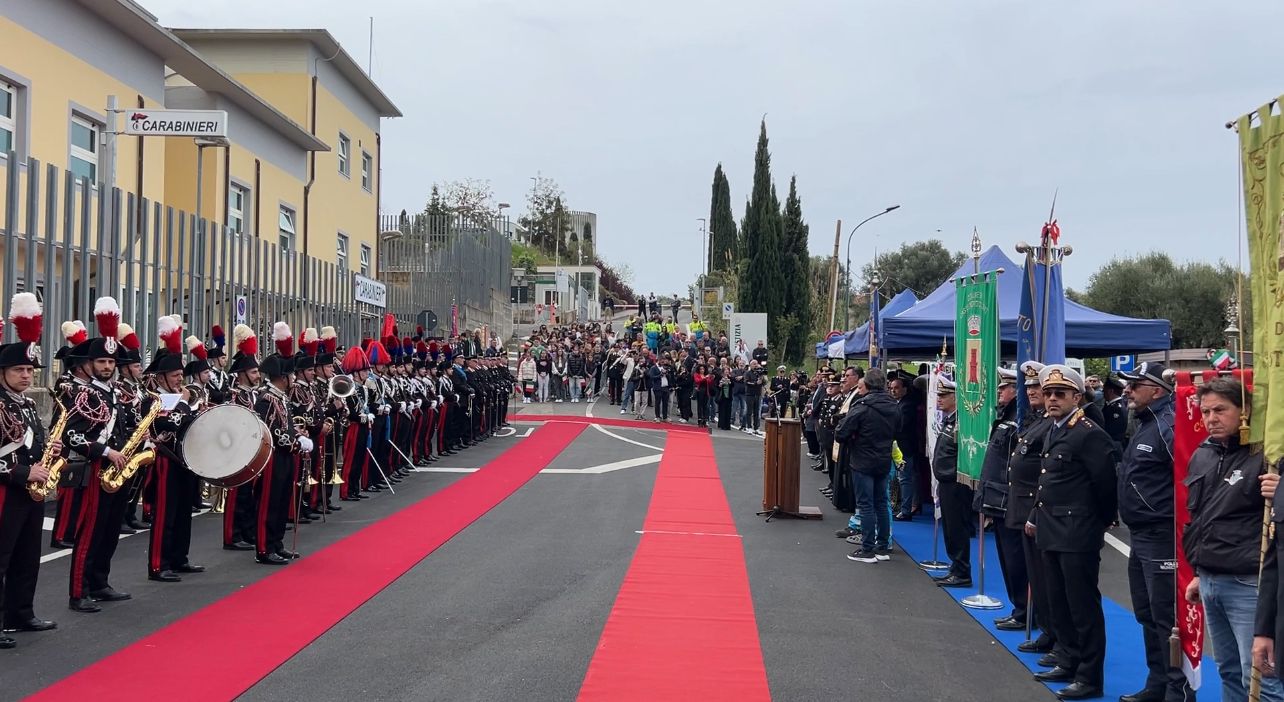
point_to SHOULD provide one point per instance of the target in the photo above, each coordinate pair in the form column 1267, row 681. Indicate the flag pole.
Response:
column 935, row 563
column 981, row 600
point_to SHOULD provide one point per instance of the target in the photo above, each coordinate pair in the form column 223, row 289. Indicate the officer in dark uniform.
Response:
column 1115, row 411
column 23, row 438
column 1023, row 485
column 992, row 501
column 957, row 520
column 1146, row 507
column 1075, row 505
column 239, row 503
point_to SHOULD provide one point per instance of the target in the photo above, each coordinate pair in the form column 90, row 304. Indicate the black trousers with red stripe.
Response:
column 354, row 459
column 21, row 526
column 171, row 535
column 273, row 497
column 97, row 534
column 67, row 516
column 238, row 514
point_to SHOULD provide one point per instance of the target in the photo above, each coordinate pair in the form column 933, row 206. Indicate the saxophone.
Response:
column 39, row 490
column 112, row 479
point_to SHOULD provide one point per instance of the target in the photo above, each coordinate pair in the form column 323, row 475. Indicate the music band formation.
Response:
column 267, row 440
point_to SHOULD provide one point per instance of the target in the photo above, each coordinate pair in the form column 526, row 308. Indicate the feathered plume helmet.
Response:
column 407, row 348
column 128, row 352
column 355, row 360
column 169, row 357
column 419, row 332
column 26, row 317
column 283, row 339
column 200, row 357
column 74, row 332
column 329, row 343
column 247, row 349
column 308, row 342
column 217, row 341
column 378, row 354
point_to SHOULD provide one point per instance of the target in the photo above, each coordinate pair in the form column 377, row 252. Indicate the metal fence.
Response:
column 70, row 240
column 431, row 262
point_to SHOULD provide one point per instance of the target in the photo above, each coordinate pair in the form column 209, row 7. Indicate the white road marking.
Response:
column 613, row 435
column 590, row 470
column 1118, row 545
column 687, row 533
column 67, row 552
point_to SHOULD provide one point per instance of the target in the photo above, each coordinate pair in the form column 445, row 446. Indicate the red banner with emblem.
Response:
column 1188, row 434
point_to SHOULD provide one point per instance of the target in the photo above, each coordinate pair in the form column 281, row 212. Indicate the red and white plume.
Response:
column 74, row 332
column 107, row 314
column 308, row 341
column 127, row 338
column 283, row 338
column 26, row 316
column 329, row 339
column 244, row 340
column 171, row 334
column 196, row 347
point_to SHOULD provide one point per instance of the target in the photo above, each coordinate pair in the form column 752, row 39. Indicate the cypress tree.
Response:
column 796, row 267
column 761, row 284
column 722, row 225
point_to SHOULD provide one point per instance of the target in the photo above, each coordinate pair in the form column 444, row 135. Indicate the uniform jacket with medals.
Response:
column 23, row 438
column 273, row 407
column 89, row 429
column 1077, row 497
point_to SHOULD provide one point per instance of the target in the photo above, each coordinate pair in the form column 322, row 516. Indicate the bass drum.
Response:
column 227, row 446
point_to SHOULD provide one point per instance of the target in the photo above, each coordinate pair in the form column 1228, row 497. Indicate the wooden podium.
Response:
column 780, row 464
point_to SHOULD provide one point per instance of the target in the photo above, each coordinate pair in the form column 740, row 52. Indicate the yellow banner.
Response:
column 1261, row 140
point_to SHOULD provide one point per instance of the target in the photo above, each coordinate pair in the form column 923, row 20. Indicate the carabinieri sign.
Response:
column 193, row 123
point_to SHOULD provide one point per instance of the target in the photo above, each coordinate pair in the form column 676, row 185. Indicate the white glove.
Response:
column 367, row 418
column 435, row 404
column 305, row 444
column 384, row 409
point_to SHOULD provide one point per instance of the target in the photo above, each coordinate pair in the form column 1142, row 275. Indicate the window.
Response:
column 345, row 152
column 84, row 148
column 341, row 251
column 286, row 227
column 365, row 260
column 8, row 118
column 238, row 202
column 367, row 167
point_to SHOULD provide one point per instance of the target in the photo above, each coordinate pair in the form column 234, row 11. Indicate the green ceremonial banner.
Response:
column 1262, row 156
column 976, row 363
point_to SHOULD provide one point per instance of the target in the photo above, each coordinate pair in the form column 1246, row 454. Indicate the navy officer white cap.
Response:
column 1055, row 375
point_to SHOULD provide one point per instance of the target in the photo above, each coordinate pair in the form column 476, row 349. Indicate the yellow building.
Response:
column 307, row 75
column 311, row 191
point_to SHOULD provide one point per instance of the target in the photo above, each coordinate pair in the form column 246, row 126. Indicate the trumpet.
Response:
column 341, row 386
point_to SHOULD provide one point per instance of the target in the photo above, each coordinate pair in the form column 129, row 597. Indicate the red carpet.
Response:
column 609, row 422
column 683, row 625
column 221, row 651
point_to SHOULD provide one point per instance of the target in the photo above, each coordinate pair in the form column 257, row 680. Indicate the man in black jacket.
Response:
column 867, row 432
column 909, row 401
column 957, row 525
column 1076, row 503
column 1146, row 507
column 992, row 501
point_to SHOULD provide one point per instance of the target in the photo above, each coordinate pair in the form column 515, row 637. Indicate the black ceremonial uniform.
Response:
column 176, row 490
column 88, row 431
column 957, row 523
column 70, row 498
column 238, row 502
column 1024, row 468
column 273, row 497
column 991, row 499
column 21, row 518
column 1076, row 503
column 1115, row 421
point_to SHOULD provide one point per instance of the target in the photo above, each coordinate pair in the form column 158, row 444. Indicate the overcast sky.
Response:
column 964, row 113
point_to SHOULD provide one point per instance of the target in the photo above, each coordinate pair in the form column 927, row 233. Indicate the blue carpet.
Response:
column 1125, row 670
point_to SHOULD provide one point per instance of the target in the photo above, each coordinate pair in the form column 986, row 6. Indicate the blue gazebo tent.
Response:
column 856, row 341
column 918, row 331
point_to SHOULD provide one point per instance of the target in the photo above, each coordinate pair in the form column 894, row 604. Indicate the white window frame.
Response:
column 286, row 228
column 345, row 155
column 367, row 171
column 10, row 123
column 341, row 250
column 365, row 260
column 77, row 152
column 239, row 215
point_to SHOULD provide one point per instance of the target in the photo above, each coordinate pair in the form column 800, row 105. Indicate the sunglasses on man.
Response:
column 1058, row 393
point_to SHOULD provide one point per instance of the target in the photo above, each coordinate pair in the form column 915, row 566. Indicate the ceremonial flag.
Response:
column 454, row 320
column 976, row 362
column 1262, row 158
column 934, row 420
column 1041, row 321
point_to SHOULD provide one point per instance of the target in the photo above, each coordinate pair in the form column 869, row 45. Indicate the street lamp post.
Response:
column 847, row 288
